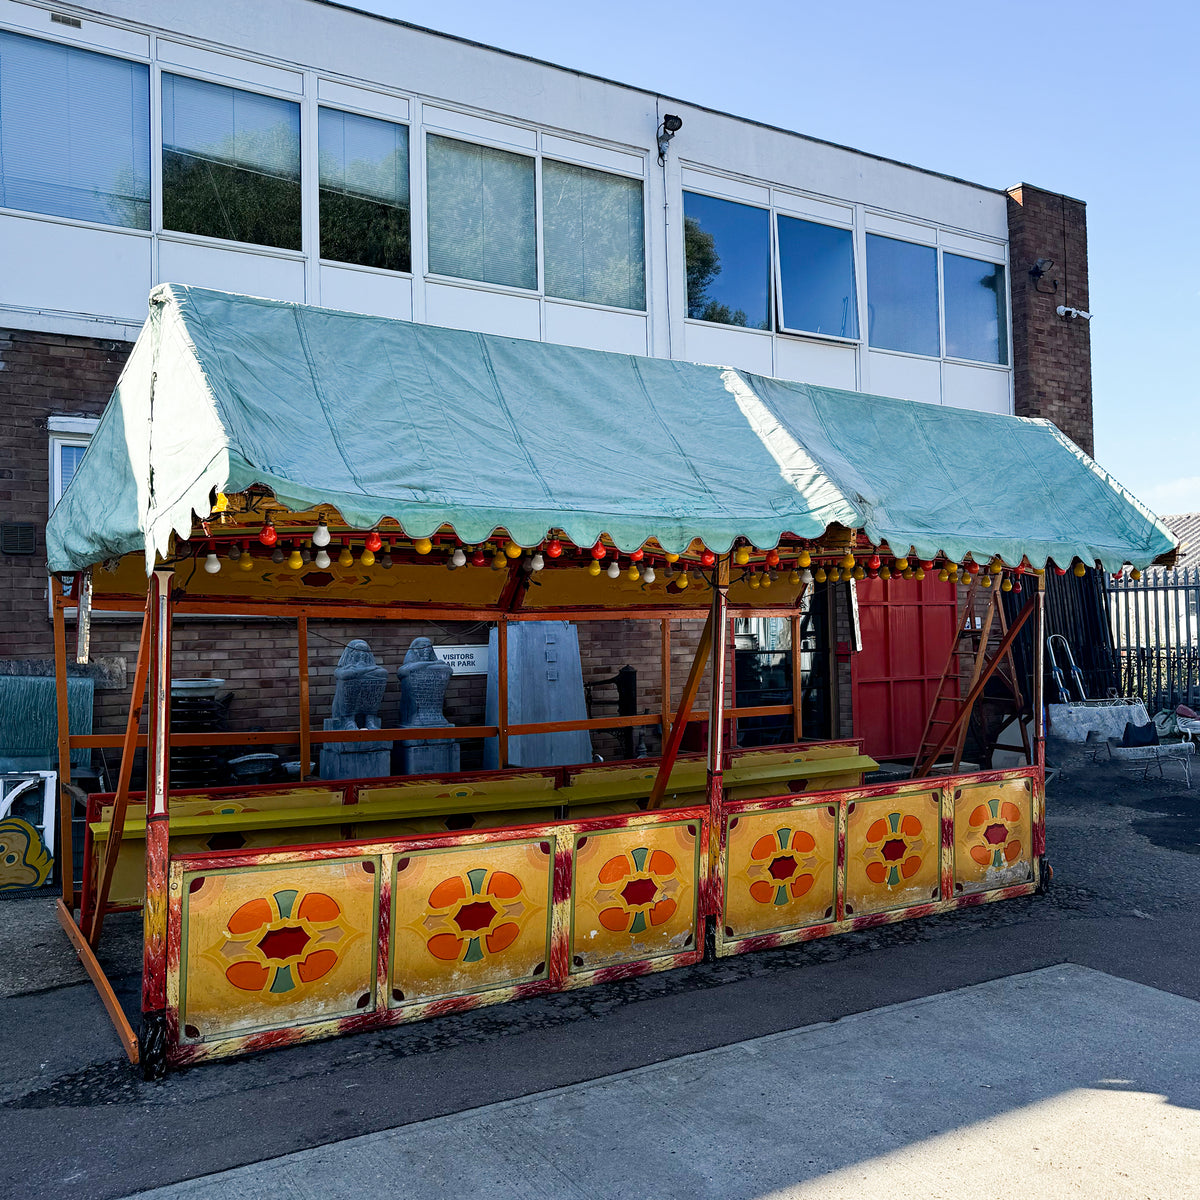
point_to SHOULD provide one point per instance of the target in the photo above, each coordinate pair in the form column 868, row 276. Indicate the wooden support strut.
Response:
column 923, row 768
column 679, row 724
column 66, row 857
column 121, row 800
column 305, row 718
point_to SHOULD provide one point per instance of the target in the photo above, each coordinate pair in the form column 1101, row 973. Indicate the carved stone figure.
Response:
column 423, row 679
column 361, row 682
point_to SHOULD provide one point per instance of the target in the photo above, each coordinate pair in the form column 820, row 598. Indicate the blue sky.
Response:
column 1099, row 100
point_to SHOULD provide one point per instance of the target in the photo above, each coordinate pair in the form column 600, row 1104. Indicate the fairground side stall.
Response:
column 262, row 459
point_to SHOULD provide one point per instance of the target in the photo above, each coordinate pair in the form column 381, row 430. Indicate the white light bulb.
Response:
column 614, row 569
column 538, row 562
column 212, row 564
column 320, row 535
column 648, row 575
column 806, row 577
column 322, row 559
column 460, row 559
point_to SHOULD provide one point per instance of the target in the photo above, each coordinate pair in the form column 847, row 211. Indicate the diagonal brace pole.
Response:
column 679, row 725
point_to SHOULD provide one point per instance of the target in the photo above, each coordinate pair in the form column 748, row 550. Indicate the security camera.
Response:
column 672, row 123
column 1072, row 313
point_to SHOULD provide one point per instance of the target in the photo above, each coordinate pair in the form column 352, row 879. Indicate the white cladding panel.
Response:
column 485, row 312
column 231, row 270
column 982, row 388
column 728, row 346
column 817, row 362
column 904, row 377
column 74, row 268
column 375, row 293
column 597, row 329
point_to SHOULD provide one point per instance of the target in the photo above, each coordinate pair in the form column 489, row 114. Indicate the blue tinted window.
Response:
column 976, row 309
column 728, row 251
column 902, row 296
column 816, row 267
column 74, row 133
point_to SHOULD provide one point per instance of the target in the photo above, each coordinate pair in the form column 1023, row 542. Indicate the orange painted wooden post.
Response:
column 679, row 725
column 305, row 719
column 713, row 894
column 665, row 676
column 66, row 853
column 797, row 683
column 153, row 1040
column 116, row 825
column 502, row 691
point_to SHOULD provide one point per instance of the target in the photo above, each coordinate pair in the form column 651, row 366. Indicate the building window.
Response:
column 231, row 163
column 482, row 213
column 69, row 438
column 902, row 296
column 363, row 171
column 74, row 133
column 976, row 309
column 816, row 277
column 594, row 236
column 728, row 252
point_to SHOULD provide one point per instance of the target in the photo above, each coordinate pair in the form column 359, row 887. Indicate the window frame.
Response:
column 777, row 269
column 63, row 432
column 320, row 259
column 154, row 125
column 940, row 356
column 1006, row 331
column 537, row 155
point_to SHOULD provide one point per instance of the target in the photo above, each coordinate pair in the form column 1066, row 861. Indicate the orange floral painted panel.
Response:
column 892, row 852
column 470, row 919
column 634, row 894
column 993, row 835
column 272, row 947
column 780, row 870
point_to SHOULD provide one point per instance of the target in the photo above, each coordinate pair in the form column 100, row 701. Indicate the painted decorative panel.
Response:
column 781, row 870
column 993, row 835
column 470, row 918
column 892, row 848
column 634, row 894
column 275, row 946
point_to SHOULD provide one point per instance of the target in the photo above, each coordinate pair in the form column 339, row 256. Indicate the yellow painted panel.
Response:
column 892, row 846
column 271, row 947
column 404, row 794
column 416, row 826
column 782, row 787
column 633, row 894
column 993, row 835
column 470, row 919
column 781, row 870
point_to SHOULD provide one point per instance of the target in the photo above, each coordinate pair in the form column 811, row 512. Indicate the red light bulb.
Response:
column 707, row 558
column 554, row 548
column 478, row 559
column 773, row 558
column 267, row 534
column 637, row 556
column 598, row 551
column 374, row 541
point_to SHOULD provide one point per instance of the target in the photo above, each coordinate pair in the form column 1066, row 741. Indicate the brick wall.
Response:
column 1052, row 355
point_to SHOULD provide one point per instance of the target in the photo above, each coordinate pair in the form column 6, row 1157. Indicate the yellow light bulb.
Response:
column 346, row 559
column 422, row 545
column 682, row 582
column 907, row 573
column 295, row 562
column 593, row 568
column 944, row 575
column 885, row 573
column 741, row 556
column 986, row 580
column 499, row 560
column 847, row 563
column 793, row 576
column 819, row 575
column 858, row 573
column 755, row 582
column 1135, row 574
column 766, row 580
column 997, row 567
column 512, row 550
column 920, row 572
column 671, row 557
column 805, row 559
column 1006, row 585
column 1080, row 570
column 633, row 573
column 901, row 564
column 367, row 558
column 246, row 562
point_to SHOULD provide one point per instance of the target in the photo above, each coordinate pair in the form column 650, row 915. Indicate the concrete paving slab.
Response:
column 1063, row 1081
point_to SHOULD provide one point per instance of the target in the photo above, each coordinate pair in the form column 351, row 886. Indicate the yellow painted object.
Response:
column 993, row 835
column 635, row 893
column 267, row 947
column 466, row 919
column 782, row 868
column 892, row 849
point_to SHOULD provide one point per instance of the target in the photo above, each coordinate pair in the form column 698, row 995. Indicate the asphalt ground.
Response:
column 76, row 1119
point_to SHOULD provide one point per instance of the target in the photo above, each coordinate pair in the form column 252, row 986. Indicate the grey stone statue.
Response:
column 361, row 682
column 423, row 679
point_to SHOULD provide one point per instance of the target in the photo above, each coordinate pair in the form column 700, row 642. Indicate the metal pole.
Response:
column 719, row 621
column 153, row 1040
column 1039, row 671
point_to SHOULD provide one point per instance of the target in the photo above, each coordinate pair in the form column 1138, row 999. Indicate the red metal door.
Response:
column 907, row 629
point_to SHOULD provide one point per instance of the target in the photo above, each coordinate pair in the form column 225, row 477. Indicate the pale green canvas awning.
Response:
column 437, row 426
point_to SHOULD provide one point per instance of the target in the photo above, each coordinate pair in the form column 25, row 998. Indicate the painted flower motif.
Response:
column 24, row 860
column 779, row 865
column 473, row 915
column 637, row 890
column 994, row 822
column 277, row 944
column 895, row 848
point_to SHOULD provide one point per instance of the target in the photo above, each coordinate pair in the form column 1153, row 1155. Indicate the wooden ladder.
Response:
column 951, row 712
